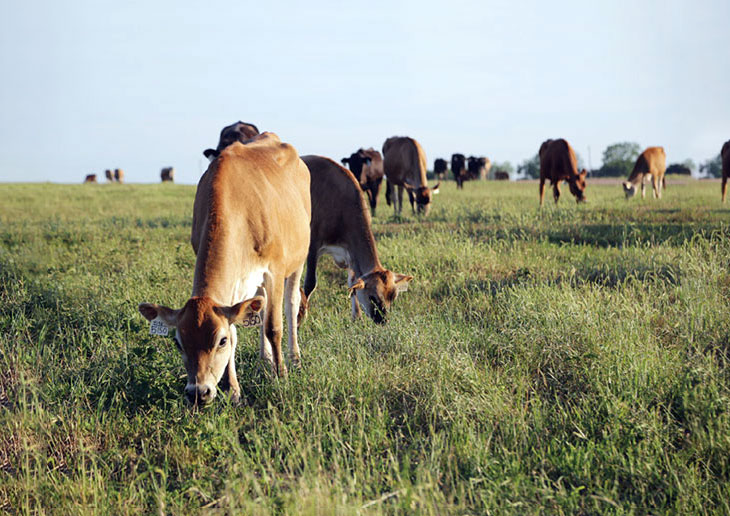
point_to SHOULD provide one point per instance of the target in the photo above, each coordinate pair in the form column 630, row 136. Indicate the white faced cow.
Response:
column 250, row 230
column 341, row 228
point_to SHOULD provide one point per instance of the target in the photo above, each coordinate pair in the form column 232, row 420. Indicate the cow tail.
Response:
column 388, row 191
column 664, row 182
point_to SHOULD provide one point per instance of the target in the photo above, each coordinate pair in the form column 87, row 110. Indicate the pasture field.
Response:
column 569, row 360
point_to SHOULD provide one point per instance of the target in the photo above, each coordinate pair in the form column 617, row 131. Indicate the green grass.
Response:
column 567, row 360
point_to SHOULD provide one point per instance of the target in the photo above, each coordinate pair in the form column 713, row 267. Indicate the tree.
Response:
column 712, row 167
column 530, row 168
column 619, row 159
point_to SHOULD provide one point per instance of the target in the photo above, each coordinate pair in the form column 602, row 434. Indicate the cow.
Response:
column 650, row 163
column 478, row 167
column 440, row 166
column 558, row 163
column 90, row 178
column 501, row 175
column 458, row 168
column 405, row 167
column 367, row 167
column 250, row 234
column 725, row 153
column 341, row 228
column 109, row 175
column 118, row 175
column 167, row 174
column 238, row 132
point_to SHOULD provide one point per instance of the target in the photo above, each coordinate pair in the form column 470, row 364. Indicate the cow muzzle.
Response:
column 199, row 394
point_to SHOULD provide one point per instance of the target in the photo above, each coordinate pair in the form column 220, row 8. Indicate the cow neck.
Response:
column 213, row 267
column 361, row 247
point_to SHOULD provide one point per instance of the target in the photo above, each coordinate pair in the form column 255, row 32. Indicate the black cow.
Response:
column 458, row 168
column 440, row 166
column 238, row 132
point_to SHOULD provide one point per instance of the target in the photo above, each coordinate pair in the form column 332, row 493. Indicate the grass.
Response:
column 567, row 360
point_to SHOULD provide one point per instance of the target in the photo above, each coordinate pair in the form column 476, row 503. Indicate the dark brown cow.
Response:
column 90, row 178
column 501, row 175
column 167, row 174
column 440, row 166
column 478, row 167
column 725, row 154
column 250, row 234
column 109, row 175
column 405, row 168
column 341, row 228
column 558, row 163
column 367, row 167
column 458, row 168
column 652, row 163
column 118, row 175
column 238, row 132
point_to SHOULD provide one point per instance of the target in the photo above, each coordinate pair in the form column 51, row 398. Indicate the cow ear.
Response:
column 359, row 284
column 243, row 310
column 401, row 282
column 583, row 173
column 210, row 154
column 152, row 311
column 435, row 189
column 344, row 161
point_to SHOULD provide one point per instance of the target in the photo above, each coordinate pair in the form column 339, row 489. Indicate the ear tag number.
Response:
column 252, row 320
column 157, row 327
column 403, row 287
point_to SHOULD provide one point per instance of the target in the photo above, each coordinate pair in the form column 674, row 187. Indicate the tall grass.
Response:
column 567, row 360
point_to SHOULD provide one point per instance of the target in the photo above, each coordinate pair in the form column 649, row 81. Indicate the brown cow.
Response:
column 90, row 178
column 725, row 153
column 250, row 230
column 109, row 175
column 167, row 174
column 440, row 166
column 405, row 167
column 650, row 163
column 558, row 163
column 238, row 132
column 118, row 175
column 501, row 175
column 341, row 228
column 372, row 176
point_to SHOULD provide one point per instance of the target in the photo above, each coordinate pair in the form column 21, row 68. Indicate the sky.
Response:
column 91, row 85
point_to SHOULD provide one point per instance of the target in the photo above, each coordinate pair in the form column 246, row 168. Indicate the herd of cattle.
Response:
column 261, row 212
column 117, row 175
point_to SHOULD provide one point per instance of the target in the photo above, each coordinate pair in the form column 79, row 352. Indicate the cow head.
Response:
column 205, row 337
column 629, row 189
column 238, row 132
column 423, row 195
column 355, row 162
column 577, row 185
column 377, row 290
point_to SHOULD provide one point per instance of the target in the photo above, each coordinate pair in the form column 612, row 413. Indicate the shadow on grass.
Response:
column 612, row 235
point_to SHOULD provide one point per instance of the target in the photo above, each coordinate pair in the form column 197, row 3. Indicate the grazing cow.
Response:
column 478, row 167
column 440, row 166
column 167, row 174
column 558, row 163
column 250, row 230
column 650, row 163
column 501, row 175
column 109, row 175
column 238, row 132
column 90, row 178
column 118, row 175
column 458, row 168
column 405, row 167
column 725, row 153
column 341, row 228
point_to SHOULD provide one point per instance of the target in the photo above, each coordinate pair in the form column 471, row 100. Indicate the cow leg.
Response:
column 229, row 381
column 273, row 324
column 399, row 199
column 351, row 279
column 655, row 187
column 310, row 283
column 556, row 191
column 542, row 190
column 724, row 187
column 643, row 193
column 292, row 298
column 265, row 350
column 411, row 199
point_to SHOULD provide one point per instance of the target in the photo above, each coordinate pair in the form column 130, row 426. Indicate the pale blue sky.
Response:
column 89, row 85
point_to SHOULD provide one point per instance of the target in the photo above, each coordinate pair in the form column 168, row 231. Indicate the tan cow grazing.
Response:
column 372, row 176
column 90, row 178
column 250, row 230
column 725, row 154
column 650, row 163
column 109, row 175
column 118, row 175
column 341, row 228
column 167, row 174
column 405, row 167
column 558, row 163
